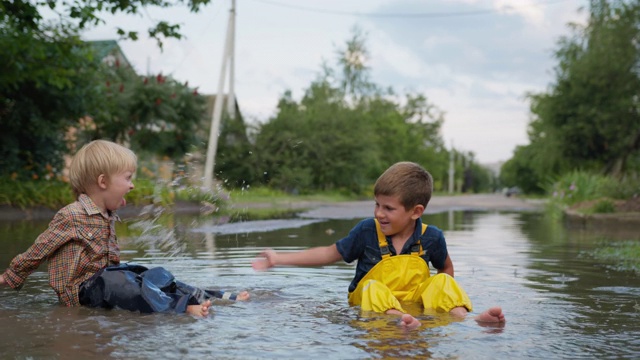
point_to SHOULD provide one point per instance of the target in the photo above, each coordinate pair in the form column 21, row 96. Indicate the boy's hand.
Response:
column 3, row 282
column 264, row 261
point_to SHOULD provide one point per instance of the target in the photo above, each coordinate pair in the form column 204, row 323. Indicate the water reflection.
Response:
column 559, row 302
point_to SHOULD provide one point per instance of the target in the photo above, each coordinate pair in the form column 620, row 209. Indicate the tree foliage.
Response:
column 234, row 157
column 154, row 114
column 52, row 84
column 345, row 131
column 27, row 15
column 342, row 134
column 318, row 143
column 589, row 119
column 46, row 85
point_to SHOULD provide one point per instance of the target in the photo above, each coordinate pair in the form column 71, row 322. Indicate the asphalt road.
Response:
column 321, row 210
column 474, row 202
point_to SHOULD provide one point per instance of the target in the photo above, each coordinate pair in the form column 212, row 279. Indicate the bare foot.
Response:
column 201, row 310
column 242, row 296
column 492, row 315
column 406, row 321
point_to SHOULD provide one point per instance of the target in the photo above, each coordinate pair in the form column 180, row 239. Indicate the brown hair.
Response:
column 407, row 180
column 96, row 158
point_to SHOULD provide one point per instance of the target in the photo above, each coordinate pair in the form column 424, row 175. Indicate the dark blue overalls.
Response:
column 137, row 288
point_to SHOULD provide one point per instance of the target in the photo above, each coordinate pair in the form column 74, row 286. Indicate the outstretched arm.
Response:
column 448, row 267
column 3, row 282
column 322, row 255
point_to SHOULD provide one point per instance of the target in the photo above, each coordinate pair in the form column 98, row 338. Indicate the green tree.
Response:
column 590, row 117
column 46, row 85
column 345, row 130
column 235, row 161
column 49, row 80
column 518, row 171
column 26, row 15
column 475, row 178
column 154, row 114
column 317, row 144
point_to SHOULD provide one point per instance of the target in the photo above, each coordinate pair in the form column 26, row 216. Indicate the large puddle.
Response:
column 559, row 302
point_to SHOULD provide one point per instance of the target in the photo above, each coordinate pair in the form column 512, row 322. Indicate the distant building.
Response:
column 234, row 130
column 109, row 52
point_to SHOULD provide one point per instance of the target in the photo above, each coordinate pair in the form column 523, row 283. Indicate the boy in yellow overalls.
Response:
column 393, row 251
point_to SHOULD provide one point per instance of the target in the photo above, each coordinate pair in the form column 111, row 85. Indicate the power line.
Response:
column 203, row 31
column 407, row 15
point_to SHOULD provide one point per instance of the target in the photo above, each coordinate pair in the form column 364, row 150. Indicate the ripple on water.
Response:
column 558, row 305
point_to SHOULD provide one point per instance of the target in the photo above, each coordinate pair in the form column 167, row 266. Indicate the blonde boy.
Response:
column 82, row 249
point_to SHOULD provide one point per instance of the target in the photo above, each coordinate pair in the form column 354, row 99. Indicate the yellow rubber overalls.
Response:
column 406, row 278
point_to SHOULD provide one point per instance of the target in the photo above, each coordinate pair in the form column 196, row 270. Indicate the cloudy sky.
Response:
column 473, row 59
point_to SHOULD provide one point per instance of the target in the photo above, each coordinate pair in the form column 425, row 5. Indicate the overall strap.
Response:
column 416, row 249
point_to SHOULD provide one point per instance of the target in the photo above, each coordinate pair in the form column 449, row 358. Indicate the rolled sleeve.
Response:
column 350, row 247
column 436, row 247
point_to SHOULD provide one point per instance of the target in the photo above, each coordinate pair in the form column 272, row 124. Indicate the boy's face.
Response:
column 117, row 186
column 393, row 217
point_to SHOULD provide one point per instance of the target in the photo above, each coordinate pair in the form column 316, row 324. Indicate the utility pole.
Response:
column 451, row 169
column 227, row 55
column 231, row 98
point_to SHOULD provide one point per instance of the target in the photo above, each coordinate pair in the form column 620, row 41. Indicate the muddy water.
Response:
column 559, row 302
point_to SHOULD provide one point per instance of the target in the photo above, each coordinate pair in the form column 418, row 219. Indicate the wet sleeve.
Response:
column 57, row 234
column 350, row 247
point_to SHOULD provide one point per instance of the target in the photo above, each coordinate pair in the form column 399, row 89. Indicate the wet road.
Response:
column 473, row 202
column 320, row 210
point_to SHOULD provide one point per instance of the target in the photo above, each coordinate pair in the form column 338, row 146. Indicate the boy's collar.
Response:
column 91, row 208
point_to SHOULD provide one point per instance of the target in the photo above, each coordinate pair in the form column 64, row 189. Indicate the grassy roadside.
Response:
column 54, row 194
column 620, row 255
column 589, row 194
column 279, row 198
column 239, row 205
column 264, row 203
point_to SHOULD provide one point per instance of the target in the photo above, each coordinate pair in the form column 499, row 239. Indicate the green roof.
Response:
column 103, row 48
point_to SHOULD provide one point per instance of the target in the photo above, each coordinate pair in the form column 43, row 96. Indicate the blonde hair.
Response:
column 407, row 180
column 96, row 158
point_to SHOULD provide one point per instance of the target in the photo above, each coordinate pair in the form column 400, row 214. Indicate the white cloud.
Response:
column 531, row 11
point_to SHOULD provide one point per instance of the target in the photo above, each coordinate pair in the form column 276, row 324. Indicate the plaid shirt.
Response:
column 79, row 241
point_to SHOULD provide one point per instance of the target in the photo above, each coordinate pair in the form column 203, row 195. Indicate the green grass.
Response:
column 604, row 206
column 580, row 186
column 267, row 195
column 51, row 194
column 54, row 194
column 619, row 255
column 277, row 204
column 247, row 214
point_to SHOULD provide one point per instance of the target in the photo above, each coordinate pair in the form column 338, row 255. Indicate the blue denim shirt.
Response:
column 362, row 244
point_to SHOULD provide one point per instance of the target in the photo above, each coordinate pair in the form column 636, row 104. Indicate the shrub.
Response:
column 604, row 207
column 620, row 255
column 51, row 194
column 54, row 194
